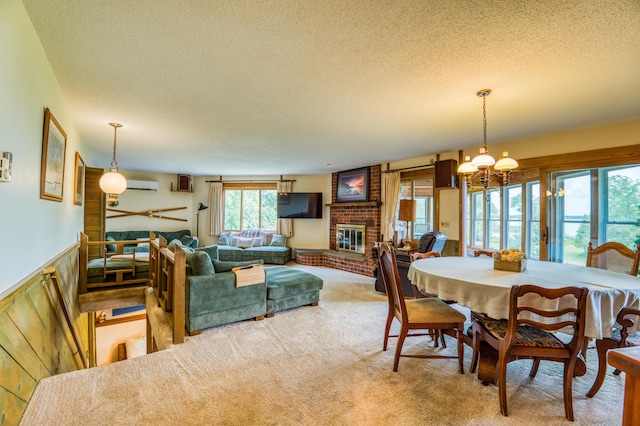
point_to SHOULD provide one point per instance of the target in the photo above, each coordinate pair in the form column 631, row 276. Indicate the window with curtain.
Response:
column 250, row 207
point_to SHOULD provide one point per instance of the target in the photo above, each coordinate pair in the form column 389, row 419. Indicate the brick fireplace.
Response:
column 364, row 215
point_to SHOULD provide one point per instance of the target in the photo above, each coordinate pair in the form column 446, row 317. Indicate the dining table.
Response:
column 473, row 282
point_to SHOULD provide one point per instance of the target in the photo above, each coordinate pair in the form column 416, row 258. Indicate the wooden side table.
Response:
column 628, row 361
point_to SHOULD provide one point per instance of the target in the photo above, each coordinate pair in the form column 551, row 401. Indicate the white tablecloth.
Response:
column 472, row 282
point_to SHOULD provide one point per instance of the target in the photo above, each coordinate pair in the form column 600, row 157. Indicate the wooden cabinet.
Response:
column 94, row 210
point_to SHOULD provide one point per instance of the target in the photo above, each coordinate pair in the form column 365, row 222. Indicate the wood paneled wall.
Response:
column 35, row 338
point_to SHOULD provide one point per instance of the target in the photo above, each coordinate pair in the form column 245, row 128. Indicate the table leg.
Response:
column 487, row 364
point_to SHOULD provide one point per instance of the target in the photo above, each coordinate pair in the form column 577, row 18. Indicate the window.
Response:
column 532, row 220
column 596, row 205
column 512, row 218
column 420, row 190
column 249, row 208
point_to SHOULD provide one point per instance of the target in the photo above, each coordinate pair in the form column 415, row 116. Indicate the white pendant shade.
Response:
column 113, row 183
column 505, row 163
column 467, row 167
column 483, row 161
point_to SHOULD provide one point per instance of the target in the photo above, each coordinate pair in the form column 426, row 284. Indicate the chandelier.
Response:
column 481, row 165
column 113, row 183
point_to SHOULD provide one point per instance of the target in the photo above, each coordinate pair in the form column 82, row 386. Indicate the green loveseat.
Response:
column 183, row 235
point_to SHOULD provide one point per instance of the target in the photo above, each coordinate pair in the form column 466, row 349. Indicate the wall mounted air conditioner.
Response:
column 143, row 185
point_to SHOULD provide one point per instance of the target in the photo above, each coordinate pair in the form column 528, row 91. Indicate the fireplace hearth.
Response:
column 350, row 238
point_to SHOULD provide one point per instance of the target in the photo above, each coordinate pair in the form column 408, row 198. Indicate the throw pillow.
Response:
column 278, row 241
column 136, row 347
column 250, row 233
column 187, row 240
column 212, row 251
column 200, row 263
column 266, row 235
column 173, row 243
column 227, row 265
column 224, row 239
column 244, row 242
column 257, row 242
column 111, row 248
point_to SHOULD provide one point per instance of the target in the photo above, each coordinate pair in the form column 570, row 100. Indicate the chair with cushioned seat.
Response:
column 620, row 339
column 614, row 256
column 529, row 334
column 418, row 314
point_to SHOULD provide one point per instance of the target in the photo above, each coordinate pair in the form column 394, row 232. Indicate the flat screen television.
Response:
column 300, row 205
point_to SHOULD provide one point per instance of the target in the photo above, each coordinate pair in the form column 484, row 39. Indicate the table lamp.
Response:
column 407, row 214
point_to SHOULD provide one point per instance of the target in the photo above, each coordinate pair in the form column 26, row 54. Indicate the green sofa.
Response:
column 212, row 298
column 254, row 244
column 273, row 255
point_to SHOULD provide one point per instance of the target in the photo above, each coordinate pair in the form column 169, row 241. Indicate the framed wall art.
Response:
column 54, row 145
column 353, row 185
column 78, row 183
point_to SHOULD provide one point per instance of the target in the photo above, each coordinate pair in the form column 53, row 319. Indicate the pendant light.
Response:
column 482, row 163
column 113, row 183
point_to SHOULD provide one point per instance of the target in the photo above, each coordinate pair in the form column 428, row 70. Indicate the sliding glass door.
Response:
column 594, row 205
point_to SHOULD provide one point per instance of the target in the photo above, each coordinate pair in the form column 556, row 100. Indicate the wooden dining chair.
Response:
column 627, row 317
column 427, row 314
column 416, row 256
column 528, row 334
column 614, row 256
column 482, row 252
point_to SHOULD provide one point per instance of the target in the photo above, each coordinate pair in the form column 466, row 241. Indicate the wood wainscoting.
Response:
column 37, row 340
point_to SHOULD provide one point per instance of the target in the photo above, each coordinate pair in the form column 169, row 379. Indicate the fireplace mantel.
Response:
column 357, row 204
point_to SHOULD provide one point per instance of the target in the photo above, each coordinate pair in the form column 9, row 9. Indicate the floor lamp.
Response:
column 407, row 214
column 200, row 208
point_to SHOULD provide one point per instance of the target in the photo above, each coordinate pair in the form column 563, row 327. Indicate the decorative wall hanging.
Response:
column 78, row 186
column 153, row 214
column 353, row 185
column 54, row 145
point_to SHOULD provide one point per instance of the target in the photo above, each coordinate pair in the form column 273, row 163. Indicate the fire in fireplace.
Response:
column 350, row 238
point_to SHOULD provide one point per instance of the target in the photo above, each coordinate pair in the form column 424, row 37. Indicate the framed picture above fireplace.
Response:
column 353, row 185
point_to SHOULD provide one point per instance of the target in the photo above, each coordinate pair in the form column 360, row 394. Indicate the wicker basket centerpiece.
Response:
column 510, row 260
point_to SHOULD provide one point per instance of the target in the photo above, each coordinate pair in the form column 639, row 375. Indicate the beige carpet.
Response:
column 319, row 365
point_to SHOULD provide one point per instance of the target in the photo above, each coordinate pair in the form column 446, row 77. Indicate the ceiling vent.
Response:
column 143, row 185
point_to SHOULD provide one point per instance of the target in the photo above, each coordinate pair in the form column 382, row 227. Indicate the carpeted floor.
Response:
column 319, row 365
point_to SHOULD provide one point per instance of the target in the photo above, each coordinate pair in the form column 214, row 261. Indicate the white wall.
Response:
column 32, row 231
column 138, row 201
column 312, row 233
column 109, row 336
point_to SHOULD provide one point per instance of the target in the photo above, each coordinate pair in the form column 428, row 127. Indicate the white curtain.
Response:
column 216, row 203
column 391, row 184
column 284, row 226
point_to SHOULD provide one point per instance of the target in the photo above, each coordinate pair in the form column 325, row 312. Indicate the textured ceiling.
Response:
column 237, row 87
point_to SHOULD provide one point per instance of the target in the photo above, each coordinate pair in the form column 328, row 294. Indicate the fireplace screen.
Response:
column 350, row 238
